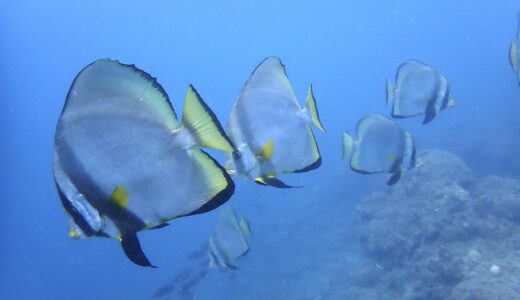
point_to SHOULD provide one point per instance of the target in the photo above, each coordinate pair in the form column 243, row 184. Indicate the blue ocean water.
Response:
column 346, row 49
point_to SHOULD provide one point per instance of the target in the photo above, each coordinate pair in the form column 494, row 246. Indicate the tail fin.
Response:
column 451, row 102
column 389, row 93
column 203, row 123
column 244, row 226
column 518, row 20
column 513, row 56
column 348, row 145
column 312, row 109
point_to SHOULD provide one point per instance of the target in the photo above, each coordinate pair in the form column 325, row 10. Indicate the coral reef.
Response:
column 441, row 233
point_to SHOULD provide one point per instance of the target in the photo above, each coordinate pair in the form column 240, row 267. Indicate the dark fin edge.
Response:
column 144, row 74
column 231, row 266
column 160, row 226
column 315, row 164
column 275, row 182
column 394, row 178
column 133, row 250
column 219, row 198
column 429, row 114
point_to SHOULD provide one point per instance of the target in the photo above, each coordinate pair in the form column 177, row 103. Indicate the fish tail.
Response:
column 312, row 109
column 203, row 124
column 348, row 145
column 389, row 93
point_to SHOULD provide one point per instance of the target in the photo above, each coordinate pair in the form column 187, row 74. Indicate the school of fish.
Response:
column 124, row 163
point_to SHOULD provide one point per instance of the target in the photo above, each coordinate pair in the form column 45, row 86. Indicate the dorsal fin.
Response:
column 203, row 124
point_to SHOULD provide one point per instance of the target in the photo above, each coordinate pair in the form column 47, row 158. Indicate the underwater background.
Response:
column 308, row 243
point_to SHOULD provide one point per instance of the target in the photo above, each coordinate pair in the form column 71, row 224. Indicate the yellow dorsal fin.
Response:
column 203, row 124
column 267, row 151
column 120, row 196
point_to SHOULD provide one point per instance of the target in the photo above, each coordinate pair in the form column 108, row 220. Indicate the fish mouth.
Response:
column 230, row 166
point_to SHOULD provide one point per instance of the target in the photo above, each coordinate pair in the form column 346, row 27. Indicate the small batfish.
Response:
column 382, row 146
column 419, row 90
column 228, row 240
column 123, row 163
column 183, row 275
column 271, row 132
column 514, row 52
column 198, row 253
column 163, row 291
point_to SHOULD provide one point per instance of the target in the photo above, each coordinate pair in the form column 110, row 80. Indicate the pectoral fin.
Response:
column 267, row 151
column 133, row 251
column 120, row 196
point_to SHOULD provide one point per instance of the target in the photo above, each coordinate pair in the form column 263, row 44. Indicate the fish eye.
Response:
column 236, row 155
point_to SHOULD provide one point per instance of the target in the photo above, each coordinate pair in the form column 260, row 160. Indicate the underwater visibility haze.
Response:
column 205, row 123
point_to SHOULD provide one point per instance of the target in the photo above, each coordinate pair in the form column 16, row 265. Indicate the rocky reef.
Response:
column 440, row 233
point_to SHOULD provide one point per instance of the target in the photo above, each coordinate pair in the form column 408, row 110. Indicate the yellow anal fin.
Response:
column 267, row 151
column 120, row 196
column 312, row 109
column 203, row 124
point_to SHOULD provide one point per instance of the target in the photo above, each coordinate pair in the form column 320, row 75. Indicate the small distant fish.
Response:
column 183, row 275
column 228, row 240
column 198, row 253
column 123, row 163
column 419, row 90
column 382, row 146
column 514, row 52
column 194, row 281
column 163, row 291
column 271, row 132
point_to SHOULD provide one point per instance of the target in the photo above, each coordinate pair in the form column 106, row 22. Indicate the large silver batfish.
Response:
column 122, row 161
column 382, row 146
column 228, row 240
column 419, row 90
column 271, row 132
